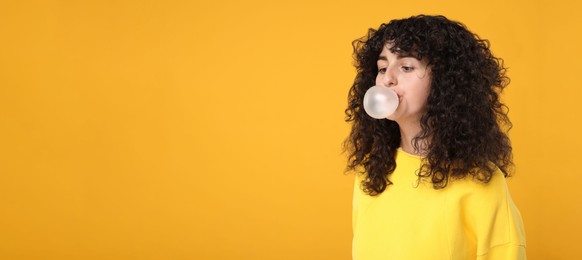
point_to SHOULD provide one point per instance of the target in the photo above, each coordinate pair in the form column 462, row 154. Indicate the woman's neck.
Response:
column 407, row 132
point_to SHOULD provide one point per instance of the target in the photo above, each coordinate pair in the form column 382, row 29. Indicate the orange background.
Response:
column 212, row 130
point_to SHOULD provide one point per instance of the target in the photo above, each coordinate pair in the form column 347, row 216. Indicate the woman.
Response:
column 430, row 178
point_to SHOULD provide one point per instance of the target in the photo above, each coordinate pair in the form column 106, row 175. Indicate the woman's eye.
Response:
column 382, row 70
column 407, row 68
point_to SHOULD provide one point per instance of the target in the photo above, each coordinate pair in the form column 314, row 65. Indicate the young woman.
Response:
column 430, row 178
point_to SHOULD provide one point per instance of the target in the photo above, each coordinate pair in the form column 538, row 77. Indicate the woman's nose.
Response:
column 389, row 79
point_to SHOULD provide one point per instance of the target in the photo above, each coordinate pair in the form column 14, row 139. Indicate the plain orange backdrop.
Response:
column 213, row 129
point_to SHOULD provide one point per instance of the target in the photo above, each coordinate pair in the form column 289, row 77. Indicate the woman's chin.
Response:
column 392, row 117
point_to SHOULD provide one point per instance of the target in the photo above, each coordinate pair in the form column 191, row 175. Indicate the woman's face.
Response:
column 410, row 78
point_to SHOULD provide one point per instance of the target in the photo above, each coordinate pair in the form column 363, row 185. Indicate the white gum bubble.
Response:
column 380, row 102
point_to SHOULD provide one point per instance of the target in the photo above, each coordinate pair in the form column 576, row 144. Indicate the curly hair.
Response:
column 465, row 120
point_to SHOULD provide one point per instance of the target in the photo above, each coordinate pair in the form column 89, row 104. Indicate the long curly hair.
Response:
column 465, row 121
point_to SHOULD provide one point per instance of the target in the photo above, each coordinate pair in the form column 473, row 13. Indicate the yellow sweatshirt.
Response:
column 465, row 220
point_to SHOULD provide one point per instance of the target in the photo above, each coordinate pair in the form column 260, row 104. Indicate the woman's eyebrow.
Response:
column 399, row 56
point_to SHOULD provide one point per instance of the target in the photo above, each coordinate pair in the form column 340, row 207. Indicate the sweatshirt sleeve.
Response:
column 355, row 202
column 506, row 251
column 492, row 219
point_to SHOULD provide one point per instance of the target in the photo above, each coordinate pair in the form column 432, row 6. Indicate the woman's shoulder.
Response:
column 471, row 194
column 482, row 181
